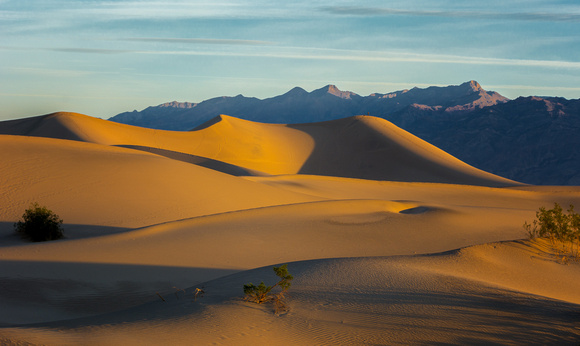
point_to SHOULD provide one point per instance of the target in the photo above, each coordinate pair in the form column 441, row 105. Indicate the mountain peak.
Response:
column 472, row 85
column 176, row 104
column 333, row 90
column 296, row 91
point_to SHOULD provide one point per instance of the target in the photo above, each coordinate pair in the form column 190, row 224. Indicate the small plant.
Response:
column 198, row 293
column 177, row 290
column 39, row 224
column 557, row 226
column 263, row 294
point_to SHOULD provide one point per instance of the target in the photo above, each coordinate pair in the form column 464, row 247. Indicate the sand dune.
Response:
column 96, row 185
column 273, row 149
column 358, row 147
column 373, row 148
column 394, row 300
column 376, row 261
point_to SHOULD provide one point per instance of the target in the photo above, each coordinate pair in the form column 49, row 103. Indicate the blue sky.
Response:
column 104, row 57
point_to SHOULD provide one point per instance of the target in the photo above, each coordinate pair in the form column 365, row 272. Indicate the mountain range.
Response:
column 529, row 139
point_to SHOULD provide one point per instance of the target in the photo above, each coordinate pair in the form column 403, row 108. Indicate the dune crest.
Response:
column 357, row 147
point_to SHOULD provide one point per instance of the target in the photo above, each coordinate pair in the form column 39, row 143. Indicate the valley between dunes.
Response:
column 390, row 240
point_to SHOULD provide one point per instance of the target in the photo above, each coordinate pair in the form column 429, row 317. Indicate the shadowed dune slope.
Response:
column 357, row 147
column 501, row 293
column 373, row 148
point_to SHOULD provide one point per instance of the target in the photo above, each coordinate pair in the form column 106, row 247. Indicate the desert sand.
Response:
column 390, row 240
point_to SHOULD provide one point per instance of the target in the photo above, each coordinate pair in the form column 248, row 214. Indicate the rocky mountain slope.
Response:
column 530, row 139
column 300, row 106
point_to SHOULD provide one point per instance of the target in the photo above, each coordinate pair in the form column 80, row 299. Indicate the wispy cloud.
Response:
column 91, row 50
column 70, row 50
column 48, row 72
column 380, row 11
column 41, row 16
column 371, row 56
column 106, row 10
column 63, row 96
column 300, row 53
column 199, row 41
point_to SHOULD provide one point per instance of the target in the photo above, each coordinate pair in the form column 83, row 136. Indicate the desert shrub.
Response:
column 264, row 294
column 557, row 226
column 39, row 224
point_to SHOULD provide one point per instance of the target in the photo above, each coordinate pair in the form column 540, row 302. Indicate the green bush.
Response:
column 263, row 294
column 556, row 225
column 39, row 224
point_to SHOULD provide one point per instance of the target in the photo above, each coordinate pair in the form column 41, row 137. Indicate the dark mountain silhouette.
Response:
column 530, row 139
column 300, row 106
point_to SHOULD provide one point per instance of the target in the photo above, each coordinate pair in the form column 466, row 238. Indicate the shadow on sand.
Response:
column 41, row 291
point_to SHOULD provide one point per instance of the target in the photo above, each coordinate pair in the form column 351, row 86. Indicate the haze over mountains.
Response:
column 529, row 139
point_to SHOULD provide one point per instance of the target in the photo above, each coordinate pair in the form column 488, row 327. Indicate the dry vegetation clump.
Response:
column 263, row 294
column 559, row 227
column 39, row 224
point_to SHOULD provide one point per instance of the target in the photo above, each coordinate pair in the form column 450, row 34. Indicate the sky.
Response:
column 102, row 58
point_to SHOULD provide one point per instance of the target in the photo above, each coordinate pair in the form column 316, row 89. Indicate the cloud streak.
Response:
column 91, row 50
column 300, row 53
column 378, row 11
column 62, row 96
column 364, row 56
column 199, row 41
column 47, row 72
column 106, row 10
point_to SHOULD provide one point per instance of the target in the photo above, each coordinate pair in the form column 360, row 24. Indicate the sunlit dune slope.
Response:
column 245, row 239
column 93, row 184
column 348, row 217
column 358, row 147
column 273, row 149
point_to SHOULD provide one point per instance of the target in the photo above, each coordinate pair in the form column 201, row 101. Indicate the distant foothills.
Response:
column 534, row 140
